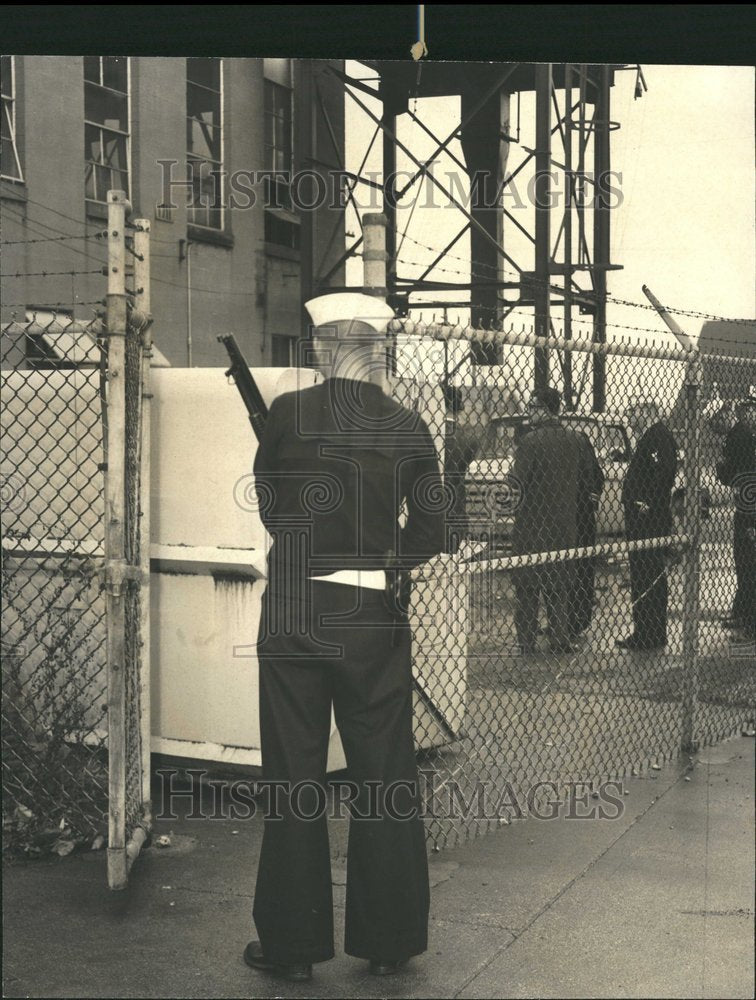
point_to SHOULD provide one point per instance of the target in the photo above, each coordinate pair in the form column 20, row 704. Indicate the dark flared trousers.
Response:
column 649, row 590
column 744, row 605
column 555, row 582
column 338, row 645
column 744, row 549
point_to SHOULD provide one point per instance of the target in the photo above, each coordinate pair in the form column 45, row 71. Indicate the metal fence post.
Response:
column 374, row 265
column 115, row 539
column 691, row 559
column 374, row 256
column 143, row 318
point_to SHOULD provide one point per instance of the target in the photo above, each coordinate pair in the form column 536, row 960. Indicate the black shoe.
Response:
column 633, row 642
column 562, row 647
column 253, row 956
column 378, row 968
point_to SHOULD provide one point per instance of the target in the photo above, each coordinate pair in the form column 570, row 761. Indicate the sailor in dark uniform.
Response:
column 335, row 464
column 647, row 500
column 737, row 469
column 590, row 485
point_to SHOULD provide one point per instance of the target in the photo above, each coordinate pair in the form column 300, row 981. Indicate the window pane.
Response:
column 104, row 107
column 278, row 117
column 9, row 166
column 278, row 133
column 281, row 231
column 89, row 188
column 6, row 76
column 114, row 150
column 205, row 204
column 92, row 150
column 204, row 140
column 281, row 351
column 92, row 68
column 5, row 121
column 114, row 72
column 118, row 180
column 214, row 218
column 106, row 114
column 268, row 130
column 203, row 104
column 206, row 72
column 102, row 182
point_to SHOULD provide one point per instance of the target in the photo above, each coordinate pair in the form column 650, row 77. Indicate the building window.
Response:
column 106, row 126
column 281, row 222
column 282, row 351
column 10, row 161
column 278, row 143
column 281, row 230
column 204, row 141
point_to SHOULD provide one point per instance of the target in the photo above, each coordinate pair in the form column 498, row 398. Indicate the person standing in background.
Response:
column 737, row 469
column 590, row 485
column 647, row 502
column 550, row 461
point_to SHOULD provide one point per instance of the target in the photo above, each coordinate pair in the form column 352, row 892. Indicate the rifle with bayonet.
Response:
column 245, row 383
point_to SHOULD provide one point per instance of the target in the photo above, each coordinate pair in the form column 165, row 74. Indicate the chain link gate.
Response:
column 75, row 714
column 535, row 710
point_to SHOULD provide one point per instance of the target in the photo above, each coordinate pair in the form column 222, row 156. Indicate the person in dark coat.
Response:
column 335, row 464
column 737, row 469
column 589, row 491
column 462, row 443
column 550, row 461
column 647, row 503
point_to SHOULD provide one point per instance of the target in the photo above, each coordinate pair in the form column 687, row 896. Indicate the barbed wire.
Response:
column 533, row 280
column 50, row 306
column 99, row 234
column 52, row 274
column 52, row 239
column 657, row 332
column 34, row 225
column 583, row 322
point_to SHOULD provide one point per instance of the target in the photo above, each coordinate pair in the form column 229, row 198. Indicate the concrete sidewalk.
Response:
column 656, row 903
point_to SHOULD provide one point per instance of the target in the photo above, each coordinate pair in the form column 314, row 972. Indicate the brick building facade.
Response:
column 188, row 139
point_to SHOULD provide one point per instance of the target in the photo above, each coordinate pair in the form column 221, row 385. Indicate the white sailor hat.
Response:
column 352, row 306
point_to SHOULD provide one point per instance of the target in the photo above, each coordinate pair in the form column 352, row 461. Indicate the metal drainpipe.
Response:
column 184, row 255
column 189, row 246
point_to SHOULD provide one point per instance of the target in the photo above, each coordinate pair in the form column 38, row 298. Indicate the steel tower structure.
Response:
column 568, row 236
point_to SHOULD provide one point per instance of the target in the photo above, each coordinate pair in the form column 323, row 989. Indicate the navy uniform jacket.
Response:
column 551, row 464
column 590, row 485
column 739, row 457
column 335, row 464
column 649, row 479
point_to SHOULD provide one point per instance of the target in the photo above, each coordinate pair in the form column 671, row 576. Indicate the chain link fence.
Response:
column 574, row 632
column 74, row 669
column 55, row 768
column 592, row 617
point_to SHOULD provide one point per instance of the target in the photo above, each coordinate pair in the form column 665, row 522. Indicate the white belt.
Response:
column 373, row 579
